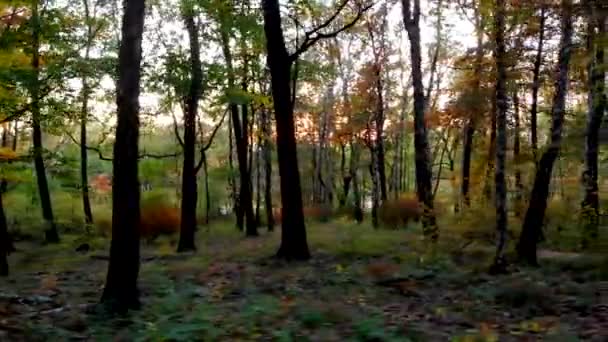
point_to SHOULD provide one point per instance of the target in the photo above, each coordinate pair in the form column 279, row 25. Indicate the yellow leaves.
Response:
column 7, row 154
column 14, row 59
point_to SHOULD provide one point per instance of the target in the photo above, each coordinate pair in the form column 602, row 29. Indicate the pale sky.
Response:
column 461, row 37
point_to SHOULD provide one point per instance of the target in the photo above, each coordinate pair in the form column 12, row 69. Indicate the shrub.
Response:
column 156, row 219
column 397, row 213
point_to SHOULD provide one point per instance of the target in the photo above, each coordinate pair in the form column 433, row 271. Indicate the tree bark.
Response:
column 189, row 186
column 51, row 235
column 538, row 59
column 499, row 265
column 411, row 18
column 531, row 230
column 294, row 245
column 595, row 114
column 121, row 293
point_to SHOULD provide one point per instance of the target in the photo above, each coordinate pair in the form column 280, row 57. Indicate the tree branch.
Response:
column 178, row 136
column 205, row 147
column 313, row 36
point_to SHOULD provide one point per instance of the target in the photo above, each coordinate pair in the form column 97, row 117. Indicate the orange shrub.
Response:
column 156, row 220
column 397, row 213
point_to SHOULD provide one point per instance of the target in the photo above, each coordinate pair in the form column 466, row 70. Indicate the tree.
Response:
column 536, row 81
column 5, row 240
column 293, row 238
column 84, row 117
column 411, row 18
column 469, row 130
column 240, row 128
column 50, row 232
column 598, row 103
column 501, row 143
column 531, row 229
column 121, row 293
column 189, row 186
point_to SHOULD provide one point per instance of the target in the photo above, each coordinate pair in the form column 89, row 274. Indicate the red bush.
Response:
column 397, row 213
column 156, row 220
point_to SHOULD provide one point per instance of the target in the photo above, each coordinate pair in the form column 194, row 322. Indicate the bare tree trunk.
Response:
column 411, row 18
column 294, row 245
column 536, row 82
column 595, row 114
column 189, row 183
column 533, row 220
column 51, row 234
column 499, row 265
column 121, row 293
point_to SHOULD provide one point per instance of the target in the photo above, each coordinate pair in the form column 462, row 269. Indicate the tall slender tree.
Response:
column 596, row 35
column 50, row 233
column 469, row 129
column 501, row 131
column 411, row 19
column 536, row 81
column 294, row 244
column 189, row 186
column 533, row 221
column 121, row 293
column 84, row 117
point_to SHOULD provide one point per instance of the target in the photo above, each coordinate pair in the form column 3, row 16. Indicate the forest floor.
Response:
column 360, row 285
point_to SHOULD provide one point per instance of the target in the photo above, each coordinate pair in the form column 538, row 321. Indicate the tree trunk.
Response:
column 354, row 165
column 240, row 222
column 246, row 197
column 15, row 135
column 597, row 107
column 258, row 180
column 533, row 220
column 121, row 292
column 469, row 130
column 189, row 186
column 536, row 82
column 266, row 131
column 207, row 193
column 519, row 187
column 239, row 126
column 375, row 175
column 499, row 265
column 423, row 168
column 84, row 179
column 5, row 241
column 294, row 244
column 487, row 190
column 50, row 233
